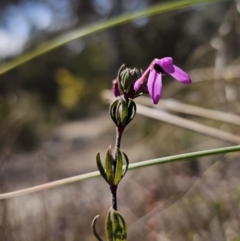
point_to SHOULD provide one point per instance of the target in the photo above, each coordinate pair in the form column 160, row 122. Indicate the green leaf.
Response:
column 108, row 227
column 119, row 166
column 131, row 110
column 94, row 229
column 100, row 167
column 119, row 229
column 123, row 113
column 94, row 28
column 108, row 165
column 125, row 167
column 119, row 77
column 124, row 227
column 118, row 112
column 112, row 111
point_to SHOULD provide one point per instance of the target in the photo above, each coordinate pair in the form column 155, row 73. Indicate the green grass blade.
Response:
column 94, row 28
column 186, row 156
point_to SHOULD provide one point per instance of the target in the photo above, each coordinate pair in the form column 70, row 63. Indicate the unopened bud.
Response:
column 124, row 83
column 122, row 112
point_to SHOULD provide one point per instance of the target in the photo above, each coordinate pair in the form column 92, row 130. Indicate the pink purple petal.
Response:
column 138, row 84
column 155, row 86
column 180, row 75
column 174, row 71
column 140, row 81
column 166, row 64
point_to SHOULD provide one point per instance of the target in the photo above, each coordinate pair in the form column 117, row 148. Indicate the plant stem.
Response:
column 113, row 188
column 119, row 132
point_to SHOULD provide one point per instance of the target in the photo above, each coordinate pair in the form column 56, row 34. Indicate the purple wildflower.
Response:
column 156, row 69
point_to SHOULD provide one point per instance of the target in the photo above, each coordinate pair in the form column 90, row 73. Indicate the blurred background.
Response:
column 53, row 121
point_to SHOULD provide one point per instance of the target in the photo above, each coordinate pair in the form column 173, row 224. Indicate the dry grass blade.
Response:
column 178, row 121
column 49, row 185
column 176, row 106
column 187, row 124
column 229, row 73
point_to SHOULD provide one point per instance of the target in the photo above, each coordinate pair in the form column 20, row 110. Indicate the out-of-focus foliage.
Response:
column 71, row 88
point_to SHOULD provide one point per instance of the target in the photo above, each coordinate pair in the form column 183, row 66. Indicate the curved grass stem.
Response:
column 94, row 28
column 70, row 180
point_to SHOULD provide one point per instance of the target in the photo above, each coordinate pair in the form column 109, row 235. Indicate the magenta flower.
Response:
column 156, row 69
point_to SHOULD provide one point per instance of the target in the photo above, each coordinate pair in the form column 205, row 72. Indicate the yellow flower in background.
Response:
column 70, row 88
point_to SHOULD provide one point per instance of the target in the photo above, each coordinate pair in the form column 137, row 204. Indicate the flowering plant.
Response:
column 129, row 84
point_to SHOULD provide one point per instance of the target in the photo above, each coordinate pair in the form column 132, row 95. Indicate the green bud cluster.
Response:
column 126, row 78
column 115, row 226
column 122, row 112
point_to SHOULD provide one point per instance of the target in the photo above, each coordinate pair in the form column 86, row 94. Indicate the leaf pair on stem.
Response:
column 114, row 170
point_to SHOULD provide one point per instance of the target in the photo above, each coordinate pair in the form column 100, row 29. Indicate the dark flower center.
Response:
column 158, row 69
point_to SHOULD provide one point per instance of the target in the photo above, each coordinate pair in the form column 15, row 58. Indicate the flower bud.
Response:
column 115, row 226
column 122, row 112
column 124, row 84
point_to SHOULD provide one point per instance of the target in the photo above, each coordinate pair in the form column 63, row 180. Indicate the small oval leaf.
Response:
column 123, row 227
column 113, row 110
column 108, row 165
column 119, row 166
column 124, row 113
column 131, row 110
column 117, row 229
column 108, row 227
column 125, row 167
column 100, row 167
